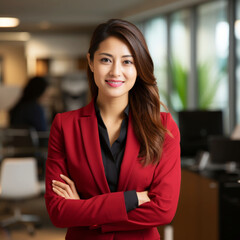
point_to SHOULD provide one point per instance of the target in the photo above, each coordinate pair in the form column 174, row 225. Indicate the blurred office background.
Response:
column 195, row 46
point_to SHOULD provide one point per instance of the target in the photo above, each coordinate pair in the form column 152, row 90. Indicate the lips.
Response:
column 114, row 83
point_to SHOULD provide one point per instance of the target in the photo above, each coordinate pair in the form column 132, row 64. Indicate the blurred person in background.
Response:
column 28, row 111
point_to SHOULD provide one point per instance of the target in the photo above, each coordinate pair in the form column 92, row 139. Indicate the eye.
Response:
column 128, row 62
column 105, row 60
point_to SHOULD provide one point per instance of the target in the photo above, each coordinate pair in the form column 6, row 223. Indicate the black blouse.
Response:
column 112, row 157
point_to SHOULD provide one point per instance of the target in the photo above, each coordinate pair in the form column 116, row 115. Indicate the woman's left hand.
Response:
column 66, row 190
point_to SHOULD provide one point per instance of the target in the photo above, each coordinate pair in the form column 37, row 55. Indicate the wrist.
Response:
column 142, row 197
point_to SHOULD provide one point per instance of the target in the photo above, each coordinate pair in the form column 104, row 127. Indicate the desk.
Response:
column 209, row 206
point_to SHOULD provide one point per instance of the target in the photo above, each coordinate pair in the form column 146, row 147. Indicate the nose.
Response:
column 115, row 69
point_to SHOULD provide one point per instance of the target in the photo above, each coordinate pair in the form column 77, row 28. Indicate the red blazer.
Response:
column 74, row 150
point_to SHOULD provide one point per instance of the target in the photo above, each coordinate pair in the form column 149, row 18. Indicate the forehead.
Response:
column 114, row 45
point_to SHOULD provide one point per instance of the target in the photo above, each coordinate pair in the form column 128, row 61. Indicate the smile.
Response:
column 114, row 83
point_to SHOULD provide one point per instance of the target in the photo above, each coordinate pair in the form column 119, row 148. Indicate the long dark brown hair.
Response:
column 143, row 97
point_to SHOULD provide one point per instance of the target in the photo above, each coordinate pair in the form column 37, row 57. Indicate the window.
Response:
column 179, row 58
column 156, row 38
column 237, row 35
column 212, row 56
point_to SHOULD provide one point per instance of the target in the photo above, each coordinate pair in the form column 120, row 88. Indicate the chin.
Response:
column 117, row 95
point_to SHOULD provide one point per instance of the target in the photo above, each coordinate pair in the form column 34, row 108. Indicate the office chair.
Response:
column 19, row 182
column 19, row 141
column 24, row 141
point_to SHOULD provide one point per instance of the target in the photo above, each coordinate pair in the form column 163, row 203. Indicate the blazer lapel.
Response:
column 89, row 128
column 130, row 157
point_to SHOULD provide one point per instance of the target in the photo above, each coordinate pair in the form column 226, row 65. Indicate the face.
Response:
column 114, row 69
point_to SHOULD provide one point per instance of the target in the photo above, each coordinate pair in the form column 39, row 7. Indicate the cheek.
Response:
column 133, row 72
column 97, row 75
column 132, row 75
column 100, row 72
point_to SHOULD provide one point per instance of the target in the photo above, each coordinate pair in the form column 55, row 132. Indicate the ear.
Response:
column 90, row 62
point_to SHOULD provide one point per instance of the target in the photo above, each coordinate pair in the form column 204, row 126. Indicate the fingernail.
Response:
column 53, row 181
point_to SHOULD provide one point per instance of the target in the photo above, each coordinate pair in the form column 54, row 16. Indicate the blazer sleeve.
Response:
column 164, row 189
column 97, row 210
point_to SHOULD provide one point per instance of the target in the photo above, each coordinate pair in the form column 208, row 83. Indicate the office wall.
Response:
column 55, row 46
column 14, row 70
column 14, row 63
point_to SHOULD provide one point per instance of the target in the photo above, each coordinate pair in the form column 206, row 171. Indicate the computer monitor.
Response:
column 196, row 126
column 223, row 150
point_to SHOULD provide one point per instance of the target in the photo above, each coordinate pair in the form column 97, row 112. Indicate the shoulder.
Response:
column 74, row 115
column 167, row 119
column 29, row 109
column 69, row 115
column 170, row 125
column 34, row 106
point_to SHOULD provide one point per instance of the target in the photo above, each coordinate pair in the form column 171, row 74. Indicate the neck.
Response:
column 113, row 107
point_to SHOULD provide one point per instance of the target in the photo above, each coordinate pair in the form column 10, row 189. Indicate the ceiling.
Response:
column 64, row 15
column 79, row 15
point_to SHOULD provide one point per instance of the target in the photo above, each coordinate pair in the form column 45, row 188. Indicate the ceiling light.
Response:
column 9, row 22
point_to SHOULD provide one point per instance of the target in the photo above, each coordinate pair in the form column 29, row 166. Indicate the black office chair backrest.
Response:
column 19, row 142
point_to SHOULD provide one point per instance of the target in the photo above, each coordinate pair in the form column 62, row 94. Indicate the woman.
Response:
column 113, row 168
column 28, row 112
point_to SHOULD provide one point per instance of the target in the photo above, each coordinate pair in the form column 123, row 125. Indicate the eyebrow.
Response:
column 107, row 54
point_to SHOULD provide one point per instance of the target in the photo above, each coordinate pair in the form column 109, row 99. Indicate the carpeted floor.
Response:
column 19, row 231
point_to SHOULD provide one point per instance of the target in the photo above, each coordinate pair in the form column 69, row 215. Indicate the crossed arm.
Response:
column 68, row 190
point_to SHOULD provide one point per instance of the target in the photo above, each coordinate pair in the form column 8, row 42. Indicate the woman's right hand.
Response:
column 142, row 197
